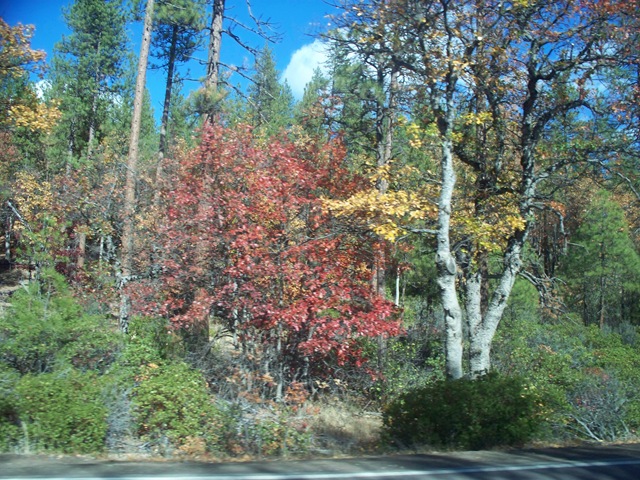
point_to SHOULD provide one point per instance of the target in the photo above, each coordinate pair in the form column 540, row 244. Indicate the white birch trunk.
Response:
column 447, row 268
column 482, row 328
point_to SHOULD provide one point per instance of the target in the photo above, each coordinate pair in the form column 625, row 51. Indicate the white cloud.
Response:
column 302, row 65
column 42, row 87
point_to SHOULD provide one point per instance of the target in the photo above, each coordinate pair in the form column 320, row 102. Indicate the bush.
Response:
column 61, row 412
column 491, row 411
column 150, row 340
column 270, row 431
column 46, row 328
column 588, row 377
column 599, row 408
column 409, row 361
column 9, row 424
column 171, row 403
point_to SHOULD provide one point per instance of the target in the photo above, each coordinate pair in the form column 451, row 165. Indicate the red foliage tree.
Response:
column 246, row 240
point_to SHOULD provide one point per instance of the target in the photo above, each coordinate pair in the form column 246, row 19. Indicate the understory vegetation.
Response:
column 71, row 383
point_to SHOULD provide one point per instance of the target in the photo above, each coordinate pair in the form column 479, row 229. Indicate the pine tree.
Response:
column 87, row 72
column 127, row 253
column 176, row 36
column 310, row 111
column 270, row 104
column 603, row 266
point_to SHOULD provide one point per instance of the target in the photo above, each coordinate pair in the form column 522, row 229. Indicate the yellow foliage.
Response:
column 417, row 135
column 41, row 232
column 388, row 214
column 492, row 228
column 33, row 197
column 16, row 54
column 522, row 3
column 38, row 118
column 477, row 118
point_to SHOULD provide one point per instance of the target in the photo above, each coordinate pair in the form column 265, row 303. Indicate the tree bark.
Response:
column 447, row 268
column 162, row 148
column 171, row 64
column 132, row 165
column 482, row 328
column 81, row 249
column 213, row 54
column 384, row 139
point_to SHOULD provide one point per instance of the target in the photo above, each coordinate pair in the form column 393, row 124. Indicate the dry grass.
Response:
column 343, row 428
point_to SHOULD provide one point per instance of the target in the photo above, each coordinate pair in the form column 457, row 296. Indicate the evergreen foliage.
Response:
column 586, row 376
column 603, row 266
column 87, row 71
column 465, row 414
column 61, row 411
column 269, row 103
column 172, row 402
column 46, row 330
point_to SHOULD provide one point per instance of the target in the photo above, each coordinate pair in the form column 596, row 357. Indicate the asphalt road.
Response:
column 621, row 462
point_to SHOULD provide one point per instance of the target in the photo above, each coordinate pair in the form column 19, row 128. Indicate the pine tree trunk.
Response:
column 162, row 148
column 82, row 247
column 132, row 165
column 213, row 54
column 384, row 139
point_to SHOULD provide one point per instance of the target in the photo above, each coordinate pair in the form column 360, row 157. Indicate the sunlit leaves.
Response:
column 34, row 198
column 489, row 232
column 40, row 227
column 388, row 214
column 16, row 54
column 36, row 118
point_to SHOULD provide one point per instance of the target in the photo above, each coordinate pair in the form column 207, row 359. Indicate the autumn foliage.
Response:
column 246, row 240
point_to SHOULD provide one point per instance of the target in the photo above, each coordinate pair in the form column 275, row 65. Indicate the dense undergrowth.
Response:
column 71, row 383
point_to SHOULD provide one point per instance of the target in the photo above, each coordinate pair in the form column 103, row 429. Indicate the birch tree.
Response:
column 495, row 79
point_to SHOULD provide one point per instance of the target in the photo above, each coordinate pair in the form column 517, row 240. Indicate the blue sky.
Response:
column 297, row 54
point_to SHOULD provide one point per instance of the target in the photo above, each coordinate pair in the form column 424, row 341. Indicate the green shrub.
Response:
column 172, row 402
column 491, row 411
column 150, row 340
column 46, row 328
column 409, row 361
column 276, row 431
column 9, row 424
column 62, row 412
column 599, row 409
column 588, row 377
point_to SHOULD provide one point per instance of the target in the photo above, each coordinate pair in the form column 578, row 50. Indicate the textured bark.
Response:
column 81, row 249
column 384, row 139
column 215, row 43
column 213, row 55
column 482, row 328
column 171, row 64
column 447, row 268
column 162, row 148
column 132, row 167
